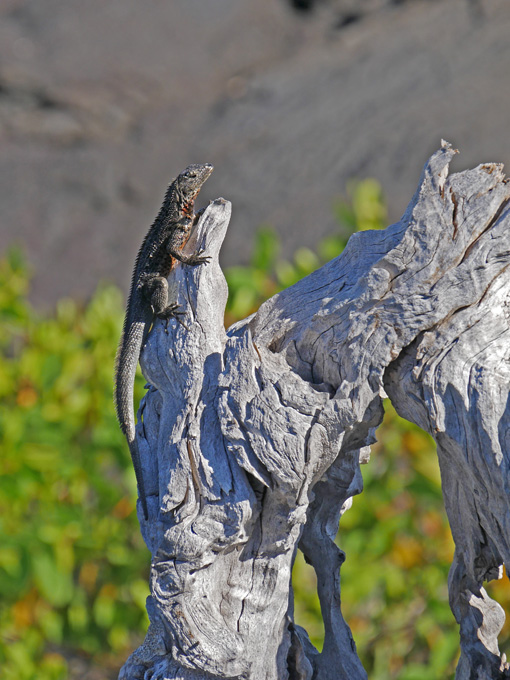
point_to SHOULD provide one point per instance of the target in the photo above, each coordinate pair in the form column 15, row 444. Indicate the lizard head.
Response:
column 190, row 182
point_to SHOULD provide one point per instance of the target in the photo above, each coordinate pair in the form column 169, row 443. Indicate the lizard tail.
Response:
column 135, row 457
column 126, row 362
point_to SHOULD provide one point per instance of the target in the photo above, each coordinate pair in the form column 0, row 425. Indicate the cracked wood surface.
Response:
column 251, row 439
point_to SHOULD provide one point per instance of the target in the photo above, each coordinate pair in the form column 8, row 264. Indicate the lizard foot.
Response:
column 198, row 258
column 172, row 312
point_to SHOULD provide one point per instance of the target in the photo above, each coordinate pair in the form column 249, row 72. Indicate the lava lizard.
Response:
column 148, row 297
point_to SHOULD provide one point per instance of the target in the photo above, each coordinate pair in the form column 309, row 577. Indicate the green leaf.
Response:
column 267, row 246
column 55, row 585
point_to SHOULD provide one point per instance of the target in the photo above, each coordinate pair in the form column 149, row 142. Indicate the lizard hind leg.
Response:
column 156, row 291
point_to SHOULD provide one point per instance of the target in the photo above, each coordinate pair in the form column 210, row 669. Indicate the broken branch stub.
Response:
column 251, row 440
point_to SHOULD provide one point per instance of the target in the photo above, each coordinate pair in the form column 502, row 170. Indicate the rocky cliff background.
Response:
column 102, row 103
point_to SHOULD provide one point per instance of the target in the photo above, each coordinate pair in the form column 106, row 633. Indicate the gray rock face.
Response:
column 251, row 440
column 102, row 103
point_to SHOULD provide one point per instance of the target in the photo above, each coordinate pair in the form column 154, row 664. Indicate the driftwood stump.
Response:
column 251, row 439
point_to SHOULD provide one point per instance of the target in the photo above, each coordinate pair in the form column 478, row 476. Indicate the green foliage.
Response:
column 399, row 549
column 73, row 567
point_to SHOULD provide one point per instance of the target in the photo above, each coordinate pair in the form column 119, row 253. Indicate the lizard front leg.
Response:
column 198, row 215
column 192, row 260
column 178, row 239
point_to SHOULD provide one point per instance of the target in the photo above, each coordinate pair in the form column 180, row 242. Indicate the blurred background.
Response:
column 318, row 116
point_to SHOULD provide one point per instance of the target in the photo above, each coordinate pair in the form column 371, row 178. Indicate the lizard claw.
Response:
column 199, row 258
column 172, row 312
column 181, row 322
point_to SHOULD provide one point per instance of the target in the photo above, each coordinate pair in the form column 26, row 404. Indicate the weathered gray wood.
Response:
column 251, row 440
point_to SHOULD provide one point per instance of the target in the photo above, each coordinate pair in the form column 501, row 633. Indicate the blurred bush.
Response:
column 73, row 566
column 398, row 551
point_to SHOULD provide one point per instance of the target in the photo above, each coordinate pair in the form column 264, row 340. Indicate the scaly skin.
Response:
column 148, row 297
